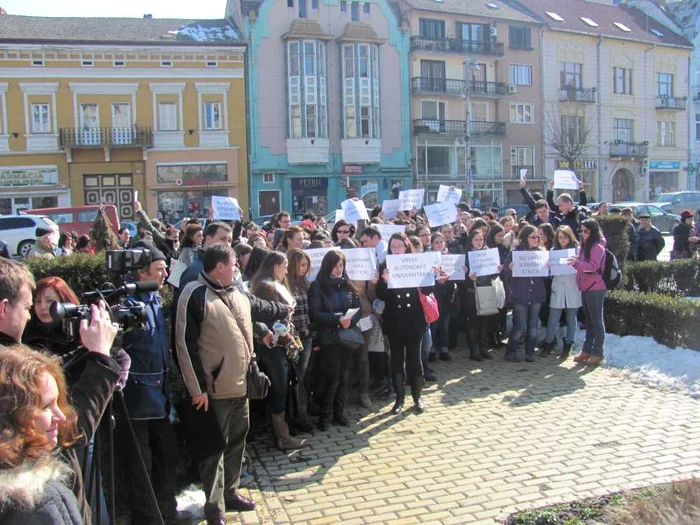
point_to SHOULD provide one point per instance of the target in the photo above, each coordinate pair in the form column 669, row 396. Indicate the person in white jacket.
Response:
column 565, row 296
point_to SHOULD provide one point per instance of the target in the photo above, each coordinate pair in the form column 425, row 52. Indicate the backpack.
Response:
column 612, row 275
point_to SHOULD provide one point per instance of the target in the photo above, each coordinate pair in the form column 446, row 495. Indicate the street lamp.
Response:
column 469, row 66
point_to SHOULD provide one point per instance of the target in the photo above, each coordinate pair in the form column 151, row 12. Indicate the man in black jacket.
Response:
column 564, row 208
column 650, row 242
column 93, row 390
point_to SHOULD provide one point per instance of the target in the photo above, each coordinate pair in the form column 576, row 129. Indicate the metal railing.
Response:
column 628, row 149
column 488, row 89
column 438, row 85
column 454, row 127
column 669, row 102
column 101, row 137
column 484, row 128
column 515, row 171
column 455, row 45
column 572, row 94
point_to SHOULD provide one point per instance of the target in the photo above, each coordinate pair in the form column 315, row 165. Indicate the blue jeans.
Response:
column 525, row 317
column 595, row 326
column 274, row 360
column 440, row 331
column 553, row 323
column 427, row 340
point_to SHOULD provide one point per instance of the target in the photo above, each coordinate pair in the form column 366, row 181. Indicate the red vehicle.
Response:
column 77, row 218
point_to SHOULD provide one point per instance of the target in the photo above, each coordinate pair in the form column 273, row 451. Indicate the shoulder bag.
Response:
column 430, row 307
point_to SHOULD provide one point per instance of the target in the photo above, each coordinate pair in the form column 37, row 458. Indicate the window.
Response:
column 571, row 75
column 622, row 81
column 519, row 37
column 361, row 91
column 521, row 113
column 487, row 161
column 211, row 63
column 697, row 126
column 290, row 3
column 432, row 110
column 623, row 129
column 314, row 4
column 431, row 28
column 572, row 128
column 38, row 63
column 41, row 118
column 306, row 89
column 212, row 115
column 302, row 8
column 355, row 11
column 473, row 32
column 87, row 63
column 166, row 63
column 191, row 173
column 522, row 157
column 664, row 84
column 665, row 133
column 343, row 5
column 520, row 75
column 167, row 116
column 119, row 63
column 268, row 178
column 365, row 7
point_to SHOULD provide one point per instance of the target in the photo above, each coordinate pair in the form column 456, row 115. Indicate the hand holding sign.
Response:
column 411, row 199
column 484, row 262
column 441, row 213
column 225, row 208
column 449, row 193
column 354, row 210
column 565, row 180
column 530, row 263
column 390, row 208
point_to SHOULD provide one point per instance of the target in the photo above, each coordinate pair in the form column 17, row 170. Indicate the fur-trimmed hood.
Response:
column 24, row 487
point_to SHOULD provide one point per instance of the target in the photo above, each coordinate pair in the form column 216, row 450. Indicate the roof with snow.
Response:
column 112, row 30
column 481, row 8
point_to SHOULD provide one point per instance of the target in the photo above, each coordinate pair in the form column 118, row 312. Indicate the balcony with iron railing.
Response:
column 669, row 102
column 515, row 171
column 619, row 148
column 437, row 170
column 445, row 86
column 476, row 128
column 456, row 45
column 486, row 128
column 573, row 94
column 134, row 136
column 479, row 88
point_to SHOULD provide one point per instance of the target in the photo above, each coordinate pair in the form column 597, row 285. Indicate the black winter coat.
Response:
column 403, row 311
column 681, row 233
column 650, row 243
column 328, row 304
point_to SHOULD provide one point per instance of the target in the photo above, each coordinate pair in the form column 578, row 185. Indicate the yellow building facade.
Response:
column 118, row 110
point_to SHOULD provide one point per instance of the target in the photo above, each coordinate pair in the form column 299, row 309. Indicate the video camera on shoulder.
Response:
column 123, row 261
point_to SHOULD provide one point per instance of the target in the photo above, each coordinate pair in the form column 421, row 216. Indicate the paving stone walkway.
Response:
column 496, row 437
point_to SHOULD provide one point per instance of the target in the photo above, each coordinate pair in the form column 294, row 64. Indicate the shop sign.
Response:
column 352, row 169
column 37, row 177
column 579, row 164
column 664, row 165
column 316, row 183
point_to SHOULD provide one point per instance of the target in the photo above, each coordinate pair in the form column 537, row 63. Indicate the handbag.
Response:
column 297, row 398
column 258, row 383
column 351, row 338
column 487, row 299
column 430, row 307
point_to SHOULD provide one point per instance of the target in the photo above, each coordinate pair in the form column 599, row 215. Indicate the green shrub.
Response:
column 669, row 320
column 680, row 277
column 615, row 231
column 81, row 271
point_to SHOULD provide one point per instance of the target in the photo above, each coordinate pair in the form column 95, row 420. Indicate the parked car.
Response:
column 19, row 231
column 77, row 218
column 678, row 201
column 663, row 220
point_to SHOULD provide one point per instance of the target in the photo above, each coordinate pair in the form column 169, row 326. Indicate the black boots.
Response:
column 566, row 351
column 546, row 349
column 416, row 388
column 400, row 389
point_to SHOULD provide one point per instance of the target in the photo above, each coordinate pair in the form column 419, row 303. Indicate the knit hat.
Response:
column 156, row 254
column 685, row 214
column 41, row 231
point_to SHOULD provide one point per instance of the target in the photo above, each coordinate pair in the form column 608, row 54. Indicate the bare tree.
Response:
column 569, row 129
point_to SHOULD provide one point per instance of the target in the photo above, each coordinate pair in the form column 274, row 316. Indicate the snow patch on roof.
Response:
column 215, row 31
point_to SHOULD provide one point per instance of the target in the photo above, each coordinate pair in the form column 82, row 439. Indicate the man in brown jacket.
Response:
column 214, row 340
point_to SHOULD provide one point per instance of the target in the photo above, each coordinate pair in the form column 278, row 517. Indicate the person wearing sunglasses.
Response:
column 342, row 230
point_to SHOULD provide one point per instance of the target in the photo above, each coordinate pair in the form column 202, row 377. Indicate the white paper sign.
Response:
column 484, row 262
column 530, row 263
column 410, row 199
column 316, row 255
column 441, row 213
column 449, row 193
column 365, row 323
column 558, row 262
column 354, row 210
column 565, row 180
column 350, row 313
column 360, row 263
column 411, row 270
column 175, row 272
column 523, row 174
column 339, row 215
column 387, row 230
column 390, row 208
column 225, row 208
column 453, row 265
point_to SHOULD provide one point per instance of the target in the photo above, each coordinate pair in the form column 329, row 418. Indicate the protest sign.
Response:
column 557, row 262
column 354, row 210
column 390, row 208
column 565, row 180
column 410, row 199
column 484, row 262
column 453, row 265
column 339, row 215
column 449, row 193
column 530, row 263
column 523, row 174
column 411, row 270
column 360, row 263
column 316, row 255
column 175, row 272
column 441, row 213
column 225, row 208
column 387, row 230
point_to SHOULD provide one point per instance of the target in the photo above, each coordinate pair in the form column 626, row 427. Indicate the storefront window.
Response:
column 192, row 174
column 44, row 202
column 174, row 205
column 486, row 194
column 309, row 195
column 486, row 161
column 5, row 206
column 662, row 182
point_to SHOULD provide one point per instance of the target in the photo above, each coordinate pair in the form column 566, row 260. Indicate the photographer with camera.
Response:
column 147, row 397
column 93, row 390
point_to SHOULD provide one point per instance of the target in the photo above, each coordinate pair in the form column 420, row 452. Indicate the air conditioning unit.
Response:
column 644, row 170
column 494, row 31
column 512, row 88
column 645, row 163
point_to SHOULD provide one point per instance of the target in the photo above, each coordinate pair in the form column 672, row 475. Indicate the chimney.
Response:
column 148, row 17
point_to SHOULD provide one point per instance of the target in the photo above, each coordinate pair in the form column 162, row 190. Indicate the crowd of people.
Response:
column 246, row 294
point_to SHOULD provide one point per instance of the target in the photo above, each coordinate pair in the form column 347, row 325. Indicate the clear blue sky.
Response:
column 117, row 8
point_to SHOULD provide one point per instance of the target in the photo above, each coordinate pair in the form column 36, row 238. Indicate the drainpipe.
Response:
column 690, row 123
column 246, row 72
column 600, row 121
column 648, row 180
column 543, row 139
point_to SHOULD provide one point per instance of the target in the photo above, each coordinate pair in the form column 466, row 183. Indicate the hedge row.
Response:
column 671, row 321
column 678, row 278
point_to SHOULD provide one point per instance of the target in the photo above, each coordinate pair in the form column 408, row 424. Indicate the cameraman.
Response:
column 147, row 395
column 93, row 390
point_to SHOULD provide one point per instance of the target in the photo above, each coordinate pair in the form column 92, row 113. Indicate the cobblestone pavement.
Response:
column 496, row 437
